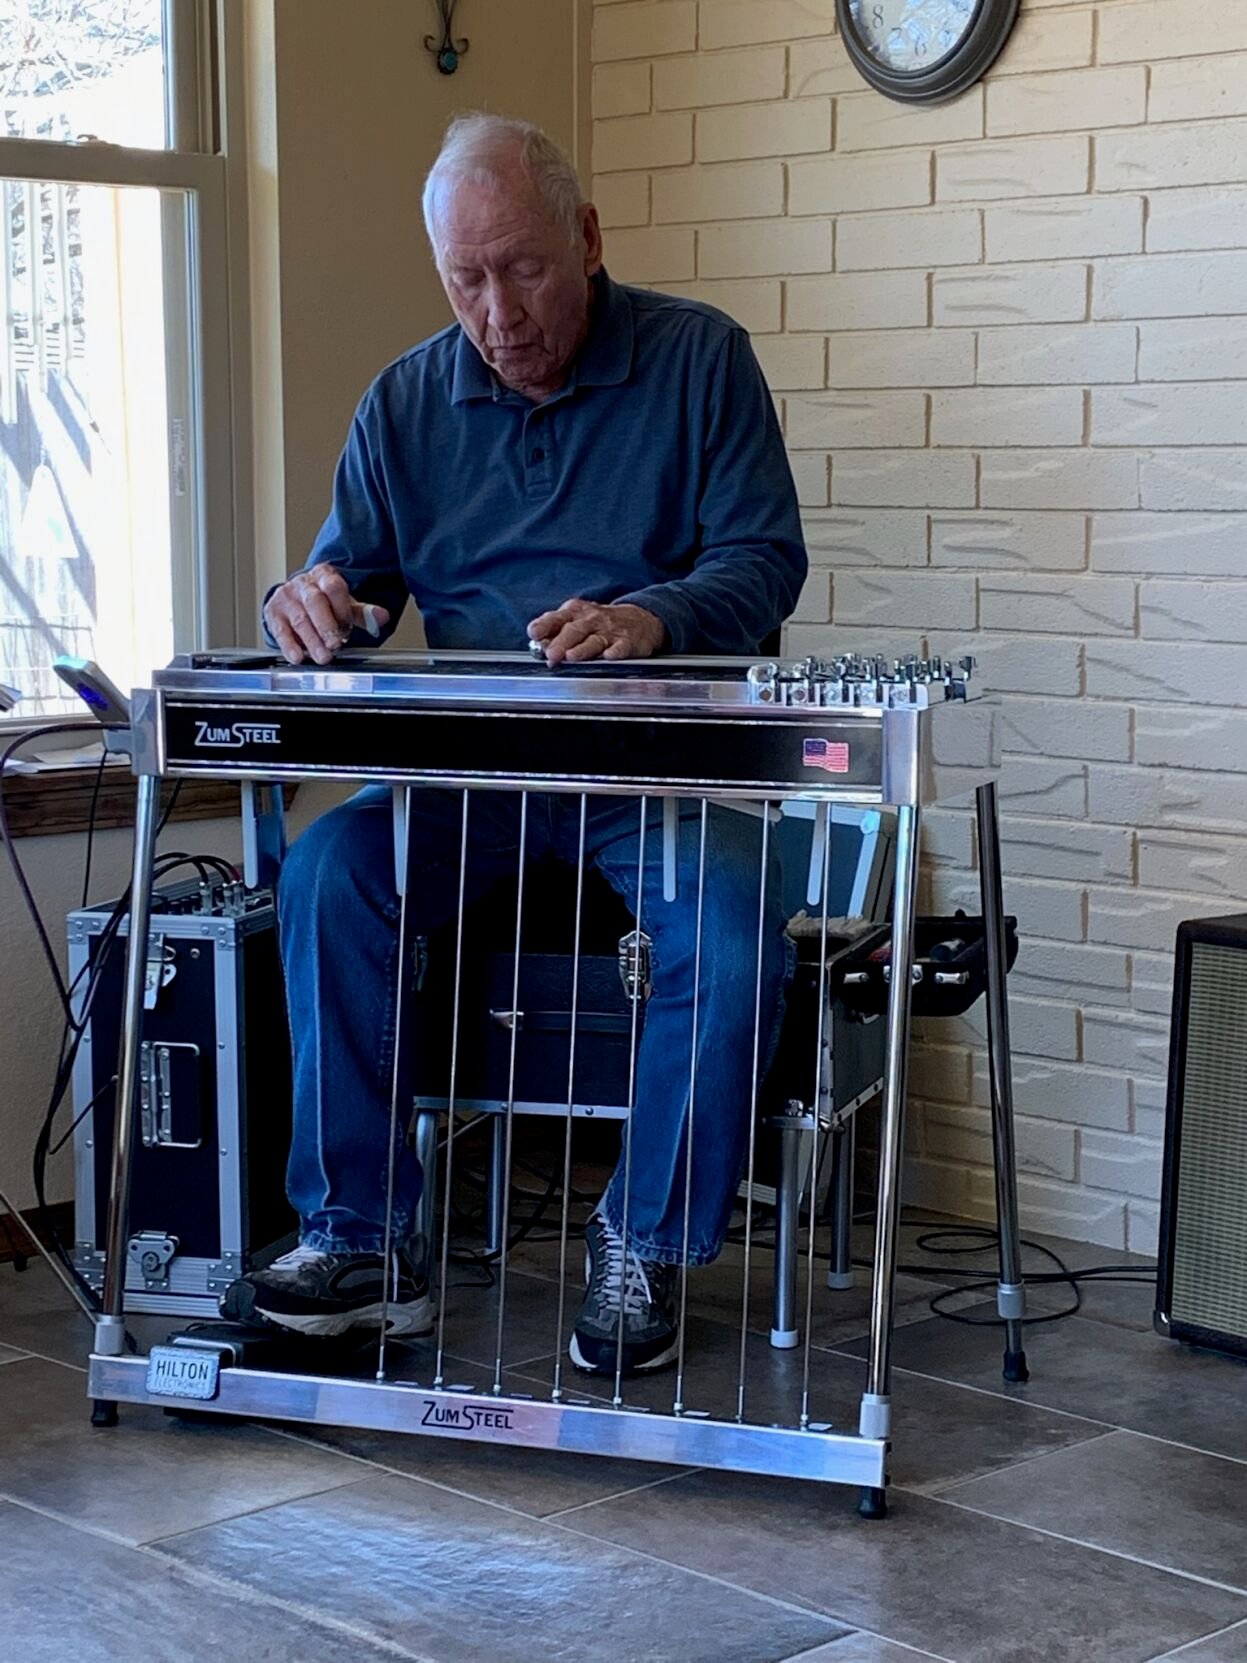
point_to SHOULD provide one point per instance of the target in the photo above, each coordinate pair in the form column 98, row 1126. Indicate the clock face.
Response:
column 911, row 36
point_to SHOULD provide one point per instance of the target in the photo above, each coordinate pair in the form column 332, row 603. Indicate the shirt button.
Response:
column 538, row 456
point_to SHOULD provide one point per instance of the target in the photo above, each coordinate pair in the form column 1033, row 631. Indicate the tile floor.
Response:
column 1096, row 1515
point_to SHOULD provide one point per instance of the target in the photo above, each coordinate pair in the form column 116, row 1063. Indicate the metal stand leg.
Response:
column 423, row 1224
column 784, row 1332
column 496, row 1195
column 840, row 1273
column 1010, row 1291
column 110, row 1330
column 876, row 1409
column 400, row 1081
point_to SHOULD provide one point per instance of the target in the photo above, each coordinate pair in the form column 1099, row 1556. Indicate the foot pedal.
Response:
column 276, row 1350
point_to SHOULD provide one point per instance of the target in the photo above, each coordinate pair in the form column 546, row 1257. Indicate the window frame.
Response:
column 214, row 568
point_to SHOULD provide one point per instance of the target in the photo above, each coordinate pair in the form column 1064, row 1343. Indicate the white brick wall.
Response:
column 1008, row 340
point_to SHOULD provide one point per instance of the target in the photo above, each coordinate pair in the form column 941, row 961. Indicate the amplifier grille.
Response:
column 1210, row 1227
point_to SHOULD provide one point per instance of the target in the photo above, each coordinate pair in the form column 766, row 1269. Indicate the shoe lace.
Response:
column 623, row 1278
column 298, row 1257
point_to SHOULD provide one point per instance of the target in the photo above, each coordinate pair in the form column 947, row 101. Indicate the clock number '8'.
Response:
column 876, row 17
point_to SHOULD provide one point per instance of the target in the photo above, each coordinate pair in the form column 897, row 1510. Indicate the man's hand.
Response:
column 580, row 630
column 313, row 614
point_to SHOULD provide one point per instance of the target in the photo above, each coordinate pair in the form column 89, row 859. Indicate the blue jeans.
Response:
column 339, row 934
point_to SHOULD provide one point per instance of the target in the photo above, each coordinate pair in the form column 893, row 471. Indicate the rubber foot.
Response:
column 840, row 1281
column 1015, row 1368
column 103, row 1413
column 873, row 1504
column 785, row 1339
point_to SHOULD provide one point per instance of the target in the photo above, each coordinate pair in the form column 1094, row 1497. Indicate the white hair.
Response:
column 482, row 148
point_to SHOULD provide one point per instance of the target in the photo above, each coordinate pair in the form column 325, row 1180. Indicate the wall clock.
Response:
column 924, row 51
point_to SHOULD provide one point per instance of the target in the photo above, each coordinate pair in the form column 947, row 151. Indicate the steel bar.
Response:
column 824, row 1017
column 110, row 1324
column 876, row 1418
column 677, row 1407
column 840, row 1270
column 496, row 1183
column 790, row 1130
column 424, row 1217
column 755, row 1082
column 452, row 1087
column 509, row 1123
column 1011, row 1290
column 557, row 1389
column 400, row 1083
column 633, row 1044
column 483, row 1417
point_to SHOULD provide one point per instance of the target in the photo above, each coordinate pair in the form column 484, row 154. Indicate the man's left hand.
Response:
column 580, row 630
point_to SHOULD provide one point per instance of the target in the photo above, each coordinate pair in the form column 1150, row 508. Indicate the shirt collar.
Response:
column 605, row 359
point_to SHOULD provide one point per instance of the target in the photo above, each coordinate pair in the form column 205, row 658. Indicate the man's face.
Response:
column 518, row 285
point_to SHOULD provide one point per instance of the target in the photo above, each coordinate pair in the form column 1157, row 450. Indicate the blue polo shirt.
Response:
column 656, row 475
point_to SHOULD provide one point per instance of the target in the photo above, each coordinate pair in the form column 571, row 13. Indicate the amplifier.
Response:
column 1201, row 1294
column 208, row 1174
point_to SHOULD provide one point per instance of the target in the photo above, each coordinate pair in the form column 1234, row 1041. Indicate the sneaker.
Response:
column 616, row 1276
column 329, row 1293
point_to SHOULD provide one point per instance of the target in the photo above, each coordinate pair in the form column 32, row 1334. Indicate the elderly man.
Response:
column 596, row 469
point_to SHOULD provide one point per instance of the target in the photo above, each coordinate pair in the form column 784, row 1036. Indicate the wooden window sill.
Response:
column 58, row 800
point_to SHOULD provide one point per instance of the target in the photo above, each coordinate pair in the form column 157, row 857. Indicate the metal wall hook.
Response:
column 448, row 51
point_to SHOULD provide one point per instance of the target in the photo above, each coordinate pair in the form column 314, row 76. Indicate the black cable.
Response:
column 982, row 1240
column 91, row 813
column 6, row 837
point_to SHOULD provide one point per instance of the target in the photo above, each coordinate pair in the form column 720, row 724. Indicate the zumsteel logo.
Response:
column 237, row 734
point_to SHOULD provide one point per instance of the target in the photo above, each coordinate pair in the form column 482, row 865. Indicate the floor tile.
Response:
column 941, row 1433
column 64, row 1335
column 1153, row 1500
column 1124, row 1304
column 466, row 1583
column 1230, row 1647
column 838, row 1314
column 530, row 1320
column 862, row 1648
column 1139, row 1381
column 959, row 1584
column 70, row 1597
column 714, row 1291
column 32, row 1289
column 534, row 1481
column 149, row 1475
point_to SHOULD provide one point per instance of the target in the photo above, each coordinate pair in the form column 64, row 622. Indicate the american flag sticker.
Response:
column 829, row 755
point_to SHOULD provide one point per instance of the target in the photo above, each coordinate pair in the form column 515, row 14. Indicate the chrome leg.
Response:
column 496, row 1187
column 840, row 1271
column 1010, row 1291
column 110, row 1324
column 876, row 1409
column 424, row 1221
column 785, row 1335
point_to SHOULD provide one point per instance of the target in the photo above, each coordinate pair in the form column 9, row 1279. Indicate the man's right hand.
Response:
column 312, row 615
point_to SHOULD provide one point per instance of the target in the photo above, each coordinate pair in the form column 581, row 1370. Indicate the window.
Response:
column 114, row 342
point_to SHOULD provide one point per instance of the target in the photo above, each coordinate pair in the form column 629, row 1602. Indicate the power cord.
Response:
column 955, row 1241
